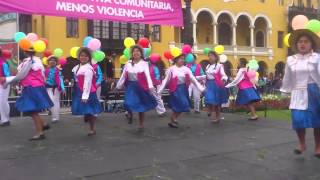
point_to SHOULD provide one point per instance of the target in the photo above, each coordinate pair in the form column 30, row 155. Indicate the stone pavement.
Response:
column 233, row 150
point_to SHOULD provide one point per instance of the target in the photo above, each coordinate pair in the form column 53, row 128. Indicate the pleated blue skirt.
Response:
column 215, row 95
column 33, row 99
column 247, row 96
column 91, row 107
column 309, row 118
column 179, row 100
column 136, row 99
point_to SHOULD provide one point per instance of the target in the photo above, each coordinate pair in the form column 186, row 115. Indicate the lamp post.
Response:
column 188, row 38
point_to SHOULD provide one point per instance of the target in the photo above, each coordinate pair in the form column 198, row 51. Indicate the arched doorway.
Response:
column 261, row 29
column 243, row 31
column 225, row 29
column 204, row 28
column 260, row 39
column 263, row 68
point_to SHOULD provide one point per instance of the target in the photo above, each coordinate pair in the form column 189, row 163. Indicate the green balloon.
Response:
column 206, row 51
column 147, row 52
column 58, row 52
column 98, row 56
column 313, row 25
column 126, row 53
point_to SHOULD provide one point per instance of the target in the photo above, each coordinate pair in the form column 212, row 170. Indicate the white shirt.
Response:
column 133, row 71
column 300, row 71
column 212, row 69
column 238, row 78
column 180, row 73
column 88, row 72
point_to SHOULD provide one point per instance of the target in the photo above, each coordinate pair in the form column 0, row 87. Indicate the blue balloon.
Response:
column 86, row 41
column 189, row 58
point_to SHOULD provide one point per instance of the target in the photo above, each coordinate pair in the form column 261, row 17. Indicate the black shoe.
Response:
column 5, row 124
column 209, row 114
column 173, row 125
column 37, row 138
column 297, row 151
column 197, row 112
column 317, row 156
column 46, row 127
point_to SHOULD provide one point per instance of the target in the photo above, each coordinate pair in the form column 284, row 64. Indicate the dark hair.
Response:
column 176, row 58
column 87, row 51
column 216, row 56
column 132, row 49
column 0, row 52
column 53, row 58
column 313, row 44
column 243, row 62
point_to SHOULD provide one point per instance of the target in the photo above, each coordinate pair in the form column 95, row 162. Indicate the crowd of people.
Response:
column 143, row 86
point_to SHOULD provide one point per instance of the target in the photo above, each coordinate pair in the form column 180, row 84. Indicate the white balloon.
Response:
column 223, row 58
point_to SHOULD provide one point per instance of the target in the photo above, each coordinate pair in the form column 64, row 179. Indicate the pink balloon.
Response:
column 154, row 58
column 299, row 22
column 186, row 49
column 62, row 61
column 251, row 74
column 32, row 37
column 94, row 44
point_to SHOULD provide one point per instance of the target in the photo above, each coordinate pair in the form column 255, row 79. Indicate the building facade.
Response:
column 248, row 29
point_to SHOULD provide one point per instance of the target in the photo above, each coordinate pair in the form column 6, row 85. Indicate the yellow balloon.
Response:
column 39, row 46
column 45, row 61
column 176, row 52
column 219, row 49
column 123, row 59
column 128, row 42
column 286, row 40
column 257, row 74
column 74, row 52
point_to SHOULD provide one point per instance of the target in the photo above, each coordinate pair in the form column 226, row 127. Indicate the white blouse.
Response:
column 88, row 72
column 180, row 73
column 212, row 69
column 300, row 71
column 133, row 71
column 238, row 78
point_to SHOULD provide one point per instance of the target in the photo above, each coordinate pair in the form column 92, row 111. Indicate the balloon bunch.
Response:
column 31, row 40
column 94, row 45
column 253, row 67
column 219, row 49
column 129, row 42
column 175, row 52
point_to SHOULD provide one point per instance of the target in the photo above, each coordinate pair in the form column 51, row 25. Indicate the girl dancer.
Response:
column 55, row 86
column 34, row 97
column 216, row 93
column 302, row 80
column 4, row 93
column 138, row 86
column 84, row 100
column 247, row 94
column 178, row 78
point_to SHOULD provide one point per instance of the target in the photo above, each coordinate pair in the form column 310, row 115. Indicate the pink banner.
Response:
column 162, row 12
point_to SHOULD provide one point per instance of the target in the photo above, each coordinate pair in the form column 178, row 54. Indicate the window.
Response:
column 101, row 29
column 309, row 4
column 156, row 31
column 260, row 41
column 96, row 29
column 124, row 30
column 225, row 34
column 105, row 30
column 116, row 30
column 72, row 27
column 138, row 31
column 280, row 39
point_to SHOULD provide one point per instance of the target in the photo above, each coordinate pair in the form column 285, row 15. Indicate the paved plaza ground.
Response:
column 232, row 150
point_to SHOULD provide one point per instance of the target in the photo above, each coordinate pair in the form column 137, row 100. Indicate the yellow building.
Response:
column 251, row 29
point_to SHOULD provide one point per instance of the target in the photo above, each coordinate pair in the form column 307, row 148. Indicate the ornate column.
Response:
column 215, row 33
column 234, row 35
column 252, row 36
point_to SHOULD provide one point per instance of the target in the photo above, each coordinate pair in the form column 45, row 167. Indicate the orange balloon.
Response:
column 25, row 44
column 299, row 22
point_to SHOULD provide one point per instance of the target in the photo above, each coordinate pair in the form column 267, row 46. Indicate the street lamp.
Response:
column 187, row 24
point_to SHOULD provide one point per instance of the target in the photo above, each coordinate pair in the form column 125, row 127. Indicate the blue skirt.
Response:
column 136, row 99
column 215, row 95
column 179, row 100
column 34, row 99
column 309, row 118
column 91, row 107
column 247, row 96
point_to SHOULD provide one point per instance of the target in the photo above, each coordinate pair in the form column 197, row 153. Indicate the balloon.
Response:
column 189, row 58
column 19, row 35
column 25, row 44
column 146, row 52
column 206, row 51
column 144, row 42
column 186, row 49
column 62, row 61
column 74, row 52
column 223, row 58
column 251, row 74
column 128, row 42
column 286, row 40
column 257, row 74
column 98, row 56
column 126, row 53
column 313, row 25
column 168, row 55
column 45, row 41
column 45, row 61
column 58, row 52
column 86, row 41
column 47, row 53
column 94, row 44
column 154, row 58
column 175, row 52
column 32, row 37
column 253, row 65
column 39, row 46
column 219, row 49
column 299, row 22
column 123, row 59
column 6, row 54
